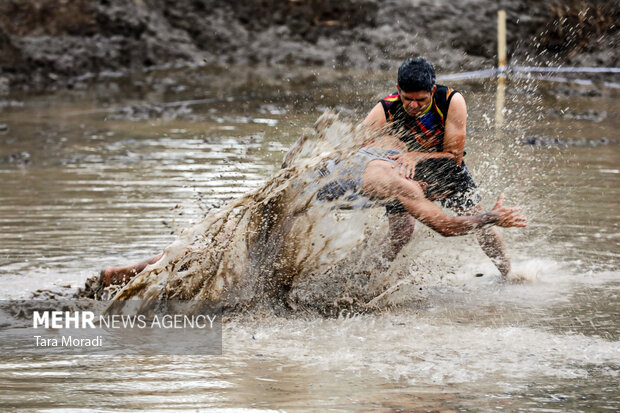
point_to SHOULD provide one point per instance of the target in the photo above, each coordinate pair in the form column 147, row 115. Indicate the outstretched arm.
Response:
column 431, row 215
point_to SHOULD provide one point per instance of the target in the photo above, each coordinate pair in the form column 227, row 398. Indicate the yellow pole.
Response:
column 500, row 96
column 501, row 40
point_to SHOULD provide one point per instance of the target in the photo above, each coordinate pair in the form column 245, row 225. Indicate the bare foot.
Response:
column 116, row 275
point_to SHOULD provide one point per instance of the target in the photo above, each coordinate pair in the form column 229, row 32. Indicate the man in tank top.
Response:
column 430, row 120
column 426, row 122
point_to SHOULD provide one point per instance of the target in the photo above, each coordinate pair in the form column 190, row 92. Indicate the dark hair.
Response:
column 443, row 176
column 416, row 74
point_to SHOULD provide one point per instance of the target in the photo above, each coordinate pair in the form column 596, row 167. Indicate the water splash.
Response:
column 277, row 246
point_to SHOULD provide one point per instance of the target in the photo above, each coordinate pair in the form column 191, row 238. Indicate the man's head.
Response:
column 443, row 176
column 416, row 85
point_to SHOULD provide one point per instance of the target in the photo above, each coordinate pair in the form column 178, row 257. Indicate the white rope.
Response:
column 476, row 74
column 525, row 71
column 566, row 69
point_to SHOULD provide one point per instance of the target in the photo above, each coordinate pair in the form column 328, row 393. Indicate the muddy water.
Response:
column 111, row 173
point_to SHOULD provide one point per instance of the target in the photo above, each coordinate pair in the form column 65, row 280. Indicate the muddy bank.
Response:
column 61, row 44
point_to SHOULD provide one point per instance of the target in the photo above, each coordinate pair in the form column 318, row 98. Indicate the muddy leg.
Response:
column 401, row 226
column 491, row 241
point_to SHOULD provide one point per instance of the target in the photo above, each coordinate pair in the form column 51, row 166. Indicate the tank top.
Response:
column 425, row 132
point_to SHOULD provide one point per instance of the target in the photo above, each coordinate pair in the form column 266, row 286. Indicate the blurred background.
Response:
column 66, row 44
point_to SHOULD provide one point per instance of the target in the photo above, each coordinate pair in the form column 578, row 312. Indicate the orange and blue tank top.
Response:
column 425, row 132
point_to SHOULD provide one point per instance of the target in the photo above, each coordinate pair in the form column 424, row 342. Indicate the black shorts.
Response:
column 462, row 195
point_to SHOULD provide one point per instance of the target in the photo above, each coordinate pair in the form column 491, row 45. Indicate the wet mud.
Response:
column 49, row 44
column 139, row 113
column 591, row 115
column 548, row 141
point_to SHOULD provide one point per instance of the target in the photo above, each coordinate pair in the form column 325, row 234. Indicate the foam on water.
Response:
column 415, row 347
column 24, row 280
column 457, row 329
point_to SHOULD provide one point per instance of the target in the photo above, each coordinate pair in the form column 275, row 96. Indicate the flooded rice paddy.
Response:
column 111, row 173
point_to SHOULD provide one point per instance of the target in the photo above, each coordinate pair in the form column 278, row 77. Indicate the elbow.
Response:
column 448, row 233
column 457, row 157
column 444, row 232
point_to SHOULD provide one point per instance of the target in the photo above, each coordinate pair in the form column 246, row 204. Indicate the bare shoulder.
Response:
column 458, row 109
column 457, row 103
column 376, row 117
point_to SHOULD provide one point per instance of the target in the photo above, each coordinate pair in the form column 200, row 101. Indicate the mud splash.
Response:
column 278, row 247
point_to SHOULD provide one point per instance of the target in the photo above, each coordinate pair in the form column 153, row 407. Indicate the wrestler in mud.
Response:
column 367, row 178
column 430, row 121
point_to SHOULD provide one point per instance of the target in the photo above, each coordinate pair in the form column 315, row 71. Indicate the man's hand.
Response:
column 507, row 217
column 406, row 163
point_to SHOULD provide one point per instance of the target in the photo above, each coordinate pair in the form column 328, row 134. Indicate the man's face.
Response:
column 416, row 102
